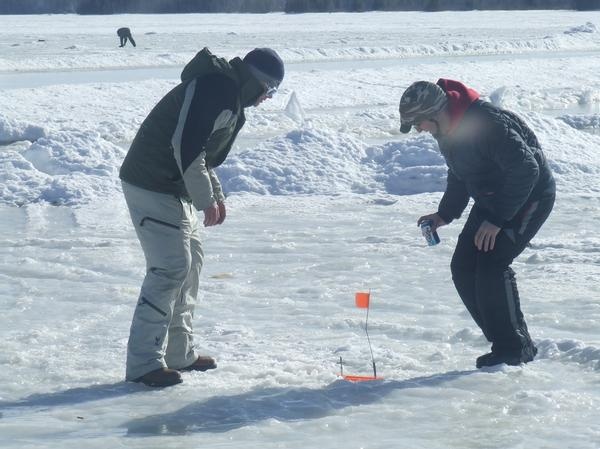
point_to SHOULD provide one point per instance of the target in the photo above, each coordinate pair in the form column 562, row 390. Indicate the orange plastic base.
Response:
column 351, row 378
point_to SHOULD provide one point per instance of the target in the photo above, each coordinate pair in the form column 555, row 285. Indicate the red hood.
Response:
column 460, row 97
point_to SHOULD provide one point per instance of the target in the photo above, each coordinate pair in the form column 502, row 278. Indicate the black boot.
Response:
column 494, row 358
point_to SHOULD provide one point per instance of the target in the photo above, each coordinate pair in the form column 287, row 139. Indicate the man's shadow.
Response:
column 224, row 413
column 73, row 396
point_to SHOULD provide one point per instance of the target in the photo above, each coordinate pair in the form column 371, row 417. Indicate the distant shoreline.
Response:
column 108, row 7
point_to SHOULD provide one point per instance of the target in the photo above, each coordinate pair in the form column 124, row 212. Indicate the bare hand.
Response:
column 485, row 238
column 211, row 215
column 222, row 213
column 435, row 218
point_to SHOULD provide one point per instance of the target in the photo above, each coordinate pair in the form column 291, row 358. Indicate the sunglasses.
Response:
column 271, row 90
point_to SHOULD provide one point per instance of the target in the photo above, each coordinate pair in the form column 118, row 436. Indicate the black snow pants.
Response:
column 487, row 284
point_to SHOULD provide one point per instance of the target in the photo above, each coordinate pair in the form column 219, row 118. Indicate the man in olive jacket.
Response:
column 168, row 173
column 494, row 158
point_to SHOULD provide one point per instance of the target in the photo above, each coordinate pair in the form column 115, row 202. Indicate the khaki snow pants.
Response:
column 161, row 332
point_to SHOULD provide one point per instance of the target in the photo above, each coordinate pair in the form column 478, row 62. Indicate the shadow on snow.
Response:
column 221, row 414
column 75, row 396
column 224, row 413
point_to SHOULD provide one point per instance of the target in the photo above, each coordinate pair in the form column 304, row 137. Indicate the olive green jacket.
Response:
column 192, row 129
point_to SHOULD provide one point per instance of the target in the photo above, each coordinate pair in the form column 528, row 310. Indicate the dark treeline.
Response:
column 296, row 6
column 262, row 6
column 137, row 6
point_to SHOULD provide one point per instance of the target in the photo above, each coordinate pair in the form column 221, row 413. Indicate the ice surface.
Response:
column 324, row 193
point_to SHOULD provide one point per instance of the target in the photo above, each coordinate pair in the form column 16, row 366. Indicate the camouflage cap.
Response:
column 420, row 101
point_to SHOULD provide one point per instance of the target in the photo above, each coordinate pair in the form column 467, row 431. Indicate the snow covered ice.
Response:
column 324, row 194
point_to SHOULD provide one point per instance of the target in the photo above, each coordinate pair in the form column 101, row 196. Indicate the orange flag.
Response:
column 362, row 300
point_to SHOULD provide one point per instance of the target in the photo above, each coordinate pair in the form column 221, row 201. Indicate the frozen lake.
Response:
column 324, row 195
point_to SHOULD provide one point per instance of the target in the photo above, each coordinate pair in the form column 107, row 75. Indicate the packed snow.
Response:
column 323, row 198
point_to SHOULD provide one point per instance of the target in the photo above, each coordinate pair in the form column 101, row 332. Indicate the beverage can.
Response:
column 432, row 238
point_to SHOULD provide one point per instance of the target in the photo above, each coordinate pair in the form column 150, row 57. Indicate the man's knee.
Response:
column 460, row 265
column 176, row 271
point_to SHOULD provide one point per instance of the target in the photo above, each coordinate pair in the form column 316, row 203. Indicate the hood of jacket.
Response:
column 205, row 63
column 460, row 97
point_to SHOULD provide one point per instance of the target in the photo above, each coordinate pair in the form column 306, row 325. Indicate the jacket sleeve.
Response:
column 455, row 199
column 216, row 186
column 208, row 105
column 520, row 171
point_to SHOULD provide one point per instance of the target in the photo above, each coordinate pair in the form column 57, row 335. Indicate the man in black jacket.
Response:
column 496, row 159
column 124, row 34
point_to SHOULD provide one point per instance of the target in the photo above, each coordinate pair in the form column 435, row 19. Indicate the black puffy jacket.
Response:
column 496, row 159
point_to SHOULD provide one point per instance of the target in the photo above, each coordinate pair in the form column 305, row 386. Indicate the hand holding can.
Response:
column 431, row 237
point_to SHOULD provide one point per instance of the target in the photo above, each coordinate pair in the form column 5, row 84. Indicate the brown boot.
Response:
column 202, row 363
column 162, row 377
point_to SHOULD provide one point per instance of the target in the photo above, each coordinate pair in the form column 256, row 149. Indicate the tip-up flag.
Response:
column 362, row 300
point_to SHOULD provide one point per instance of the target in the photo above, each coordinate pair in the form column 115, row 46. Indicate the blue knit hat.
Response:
column 266, row 65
